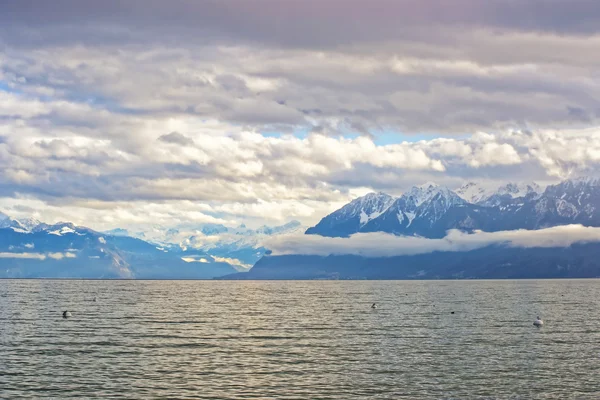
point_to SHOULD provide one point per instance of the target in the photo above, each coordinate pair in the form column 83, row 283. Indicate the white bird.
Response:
column 374, row 305
column 66, row 314
column 538, row 322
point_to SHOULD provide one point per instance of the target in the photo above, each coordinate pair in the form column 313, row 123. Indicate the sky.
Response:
column 118, row 114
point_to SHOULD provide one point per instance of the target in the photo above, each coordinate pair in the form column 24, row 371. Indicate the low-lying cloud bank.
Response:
column 38, row 256
column 386, row 245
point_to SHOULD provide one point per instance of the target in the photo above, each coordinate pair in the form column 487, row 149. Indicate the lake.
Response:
column 300, row 339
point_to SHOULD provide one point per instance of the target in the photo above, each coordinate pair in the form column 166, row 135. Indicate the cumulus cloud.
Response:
column 249, row 166
column 154, row 106
column 387, row 245
column 247, row 175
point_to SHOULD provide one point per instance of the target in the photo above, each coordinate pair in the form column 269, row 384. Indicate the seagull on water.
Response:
column 374, row 305
column 538, row 322
column 66, row 314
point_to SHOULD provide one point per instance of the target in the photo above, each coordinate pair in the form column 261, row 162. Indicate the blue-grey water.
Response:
column 300, row 340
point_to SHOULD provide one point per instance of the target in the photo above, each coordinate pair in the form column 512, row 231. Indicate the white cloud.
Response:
column 195, row 259
column 234, row 262
column 387, row 245
column 38, row 256
column 60, row 256
column 34, row 256
column 211, row 111
column 247, row 176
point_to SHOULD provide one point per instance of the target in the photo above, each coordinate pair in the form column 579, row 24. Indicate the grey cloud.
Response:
column 299, row 23
column 177, row 138
column 480, row 83
column 92, row 86
column 387, row 245
column 578, row 114
column 249, row 167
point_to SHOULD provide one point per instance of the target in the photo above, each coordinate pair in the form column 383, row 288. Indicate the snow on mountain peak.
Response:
column 425, row 210
column 584, row 181
column 428, row 185
column 423, row 193
column 368, row 207
column 373, row 197
column 28, row 223
column 473, row 192
column 515, row 190
column 476, row 192
column 24, row 225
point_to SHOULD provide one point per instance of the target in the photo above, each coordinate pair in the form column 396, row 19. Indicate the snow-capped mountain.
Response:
column 32, row 249
column 28, row 224
column 572, row 201
column 20, row 225
column 515, row 190
column 424, row 193
column 481, row 193
column 431, row 210
column 419, row 208
column 237, row 238
column 354, row 215
column 241, row 246
column 422, row 208
column 473, row 192
column 511, row 193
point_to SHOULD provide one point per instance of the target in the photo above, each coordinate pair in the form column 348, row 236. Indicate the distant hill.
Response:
column 492, row 262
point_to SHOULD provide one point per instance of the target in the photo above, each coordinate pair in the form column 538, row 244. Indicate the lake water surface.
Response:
column 300, row 340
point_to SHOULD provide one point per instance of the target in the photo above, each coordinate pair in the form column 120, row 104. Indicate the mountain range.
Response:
column 30, row 248
column 33, row 249
column 67, row 251
column 431, row 210
column 241, row 246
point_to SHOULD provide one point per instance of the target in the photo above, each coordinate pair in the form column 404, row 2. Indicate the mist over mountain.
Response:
column 64, row 250
column 421, row 218
column 441, row 234
column 491, row 262
column 32, row 249
column 239, row 245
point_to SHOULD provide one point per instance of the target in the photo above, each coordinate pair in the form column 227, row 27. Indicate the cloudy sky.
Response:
column 120, row 113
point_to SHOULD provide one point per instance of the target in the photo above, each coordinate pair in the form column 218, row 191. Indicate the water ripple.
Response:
column 300, row 340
